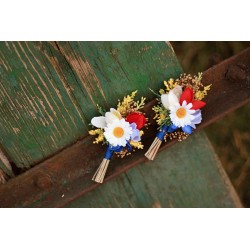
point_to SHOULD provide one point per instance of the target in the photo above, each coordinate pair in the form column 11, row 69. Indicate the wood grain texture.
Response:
column 49, row 90
column 188, row 174
column 5, row 165
column 67, row 175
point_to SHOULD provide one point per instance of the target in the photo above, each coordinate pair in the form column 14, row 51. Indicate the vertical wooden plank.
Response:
column 41, row 111
column 49, row 91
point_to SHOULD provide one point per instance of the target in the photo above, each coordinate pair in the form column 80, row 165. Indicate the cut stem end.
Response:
column 152, row 151
column 101, row 171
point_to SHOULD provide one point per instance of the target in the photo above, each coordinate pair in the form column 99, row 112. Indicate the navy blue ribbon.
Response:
column 108, row 153
column 164, row 129
column 111, row 149
column 187, row 129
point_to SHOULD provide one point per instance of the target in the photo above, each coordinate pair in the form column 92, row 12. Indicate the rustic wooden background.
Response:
column 49, row 92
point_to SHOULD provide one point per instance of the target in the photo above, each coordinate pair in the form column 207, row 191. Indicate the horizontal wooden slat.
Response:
column 69, row 172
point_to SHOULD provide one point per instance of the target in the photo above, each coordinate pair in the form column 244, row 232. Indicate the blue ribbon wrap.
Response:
column 164, row 129
column 111, row 149
column 187, row 129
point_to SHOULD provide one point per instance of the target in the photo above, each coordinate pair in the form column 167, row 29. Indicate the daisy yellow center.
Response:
column 181, row 112
column 118, row 132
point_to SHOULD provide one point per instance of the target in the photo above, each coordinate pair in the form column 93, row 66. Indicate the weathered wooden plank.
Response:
column 49, row 91
column 5, row 165
column 188, row 174
column 121, row 66
column 68, row 174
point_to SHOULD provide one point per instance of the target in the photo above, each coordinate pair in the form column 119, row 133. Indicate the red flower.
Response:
column 188, row 96
column 138, row 118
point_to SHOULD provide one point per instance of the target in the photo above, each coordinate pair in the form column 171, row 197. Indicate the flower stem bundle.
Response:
column 152, row 151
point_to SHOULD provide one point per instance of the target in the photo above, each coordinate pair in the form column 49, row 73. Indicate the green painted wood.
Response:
column 188, row 174
column 5, row 169
column 49, row 91
column 5, row 165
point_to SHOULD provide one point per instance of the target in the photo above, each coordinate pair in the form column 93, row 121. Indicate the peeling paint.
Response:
column 5, row 161
column 170, row 46
column 16, row 130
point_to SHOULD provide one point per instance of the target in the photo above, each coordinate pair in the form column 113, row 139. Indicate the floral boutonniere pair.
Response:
column 177, row 114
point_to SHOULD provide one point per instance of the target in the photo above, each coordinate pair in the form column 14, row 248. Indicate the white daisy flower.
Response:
column 118, row 132
column 102, row 121
column 181, row 115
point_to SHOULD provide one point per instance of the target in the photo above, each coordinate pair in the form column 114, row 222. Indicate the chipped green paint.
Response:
column 3, row 167
column 5, row 164
column 188, row 174
column 49, row 91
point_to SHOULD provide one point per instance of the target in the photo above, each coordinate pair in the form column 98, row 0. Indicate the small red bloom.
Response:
column 198, row 104
column 188, row 96
column 138, row 118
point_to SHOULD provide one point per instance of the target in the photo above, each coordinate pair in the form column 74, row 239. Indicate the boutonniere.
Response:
column 120, row 130
column 178, row 110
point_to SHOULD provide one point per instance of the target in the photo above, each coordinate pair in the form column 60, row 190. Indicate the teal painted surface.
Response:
column 134, row 65
column 188, row 174
column 49, row 91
